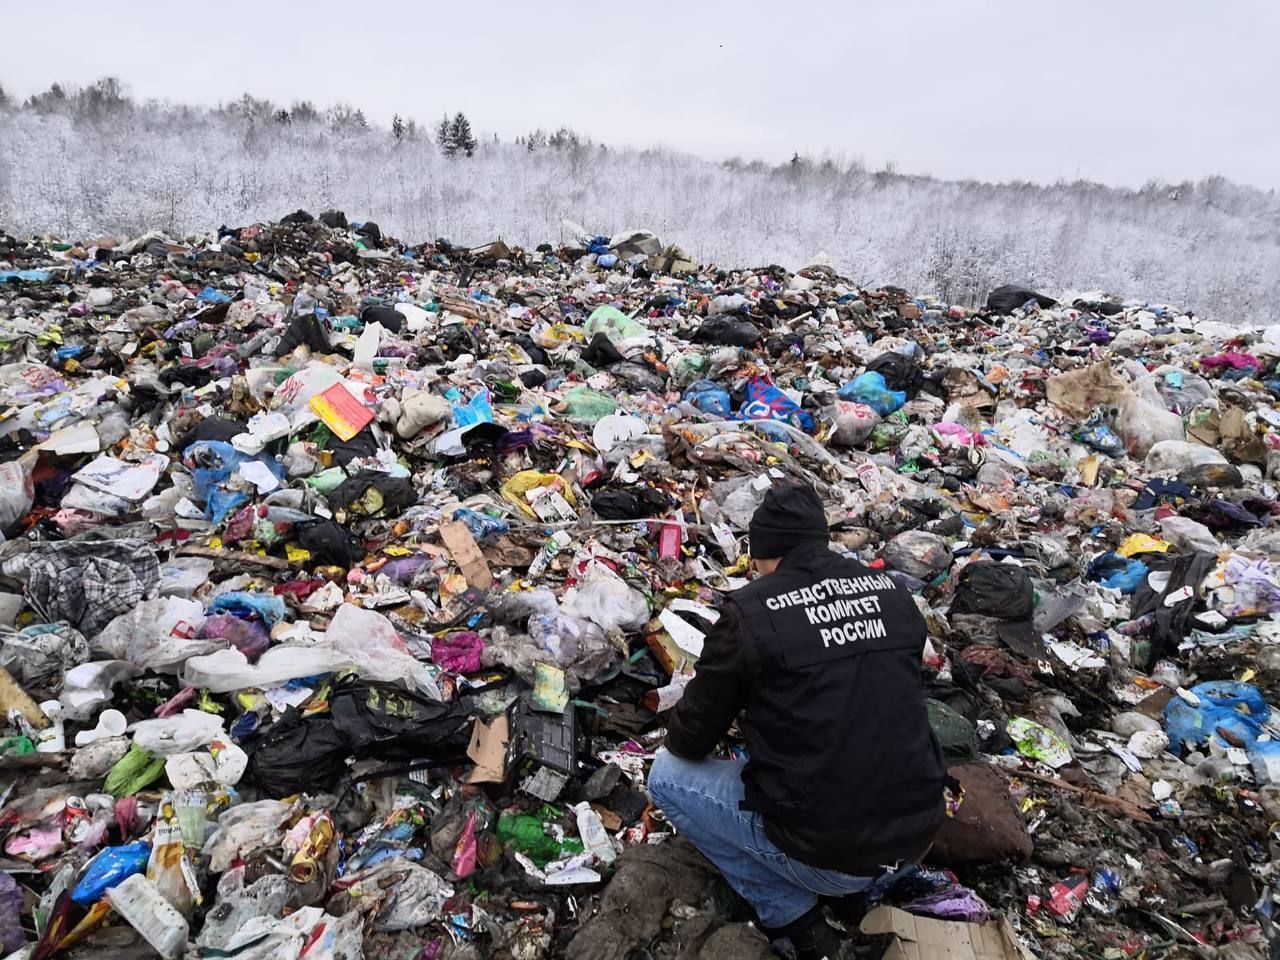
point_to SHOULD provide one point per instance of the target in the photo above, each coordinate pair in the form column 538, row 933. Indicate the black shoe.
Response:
column 810, row 937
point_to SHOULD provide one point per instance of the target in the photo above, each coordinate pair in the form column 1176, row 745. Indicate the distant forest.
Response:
column 83, row 162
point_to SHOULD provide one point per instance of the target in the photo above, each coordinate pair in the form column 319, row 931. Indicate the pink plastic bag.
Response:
column 457, row 652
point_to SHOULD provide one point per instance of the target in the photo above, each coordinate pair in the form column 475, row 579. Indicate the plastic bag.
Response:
column 156, row 634
column 623, row 331
column 1188, row 535
column 853, row 422
column 577, row 646
column 183, row 576
column 918, row 554
column 265, row 606
column 709, row 398
column 477, row 410
column 1237, row 710
column 766, row 402
column 250, row 637
column 385, row 721
column 297, row 754
column 457, row 652
column 17, row 493
column 38, row 655
column 1174, row 456
column 371, row 643
column 1143, row 421
column 1038, row 742
column 177, row 734
column 516, row 489
column 136, row 770
column 584, row 405
column 870, row 389
column 482, row 526
column 610, row 603
column 245, row 828
column 109, row 868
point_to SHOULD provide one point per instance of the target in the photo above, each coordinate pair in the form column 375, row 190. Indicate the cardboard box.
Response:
column 924, row 938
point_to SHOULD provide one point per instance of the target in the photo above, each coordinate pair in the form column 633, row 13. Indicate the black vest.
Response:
column 843, row 764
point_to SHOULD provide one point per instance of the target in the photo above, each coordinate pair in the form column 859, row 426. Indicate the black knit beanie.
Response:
column 789, row 516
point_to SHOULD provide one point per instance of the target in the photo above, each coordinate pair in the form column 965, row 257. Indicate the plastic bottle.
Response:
column 154, row 917
column 594, row 836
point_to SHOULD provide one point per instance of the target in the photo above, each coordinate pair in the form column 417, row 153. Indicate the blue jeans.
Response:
column 700, row 798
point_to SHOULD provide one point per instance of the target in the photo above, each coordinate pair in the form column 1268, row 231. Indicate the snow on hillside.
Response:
column 1212, row 246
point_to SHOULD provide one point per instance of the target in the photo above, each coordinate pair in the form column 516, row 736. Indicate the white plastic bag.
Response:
column 371, row 643
column 16, row 493
column 1186, row 535
column 609, row 602
column 157, row 634
column 1144, row 421
column 1173, row 456
column 181, row 733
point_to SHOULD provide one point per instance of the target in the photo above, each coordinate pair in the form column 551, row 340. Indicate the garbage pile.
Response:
column 346, row 583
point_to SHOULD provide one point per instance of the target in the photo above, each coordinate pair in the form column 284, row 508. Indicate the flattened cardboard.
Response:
column 488, row 750
column 924, row 938
column 467, row 555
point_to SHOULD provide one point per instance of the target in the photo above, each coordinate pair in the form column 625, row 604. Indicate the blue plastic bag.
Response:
column 1101, row 438
column 477, row 410
column 481, row 525
column 215, row 463
column 708, row 397
column 1117, row 573
column 212, row 295
column 267, row 607
column 109, row 869
column 1237, row 709
column 766, row 402
column 607, row 261
column 871, row 390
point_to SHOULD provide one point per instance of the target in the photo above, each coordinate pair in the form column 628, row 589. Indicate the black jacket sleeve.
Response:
column 716, row 693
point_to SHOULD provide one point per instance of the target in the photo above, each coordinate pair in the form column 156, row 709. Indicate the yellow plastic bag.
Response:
column 515, row 491
column 1142, row 543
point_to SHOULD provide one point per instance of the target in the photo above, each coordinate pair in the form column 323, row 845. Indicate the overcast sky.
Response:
column 1119, row 91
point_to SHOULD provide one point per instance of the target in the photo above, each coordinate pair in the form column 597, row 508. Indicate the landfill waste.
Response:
column 344, row 585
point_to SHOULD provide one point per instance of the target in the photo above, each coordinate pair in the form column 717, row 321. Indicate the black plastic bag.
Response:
column 900, row 372
column 1010, row 297
column 535, row 352
column 601, row 352
column 390, row 496
column 304, row 330
column 727, row 333
column 388, row 722
column 1003, row 592
column 634, row 504
column 358, row 447
column 1172, row 610
column 298, row 754
column 331, row 543
column 390, row 318
column 993, row 589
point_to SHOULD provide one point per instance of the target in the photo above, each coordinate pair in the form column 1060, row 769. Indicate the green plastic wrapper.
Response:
column 888, row 433
column 16, row 746
column 587, row 406
column 615, row 324
column 134, row 771
column 528, row 834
